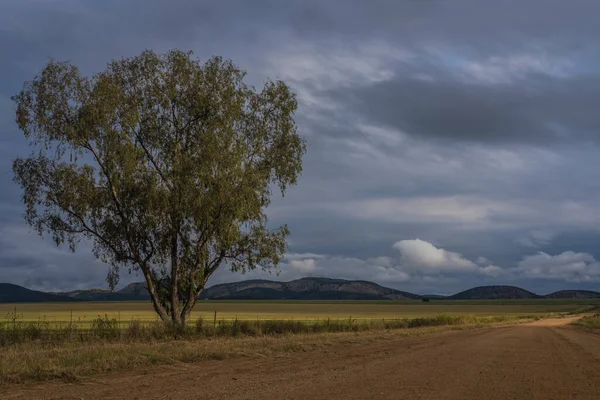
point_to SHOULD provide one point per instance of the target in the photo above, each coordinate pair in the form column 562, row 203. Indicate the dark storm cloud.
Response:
column 539, row 110
column 462, row 123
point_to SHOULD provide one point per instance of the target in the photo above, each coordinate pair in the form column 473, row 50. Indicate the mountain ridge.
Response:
column 11, row 293
column 305, row 288
column 311, row 288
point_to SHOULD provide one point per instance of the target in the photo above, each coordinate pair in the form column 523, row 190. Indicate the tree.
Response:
column 165, row 164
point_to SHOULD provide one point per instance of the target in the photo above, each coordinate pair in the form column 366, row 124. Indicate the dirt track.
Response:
column 536, row 361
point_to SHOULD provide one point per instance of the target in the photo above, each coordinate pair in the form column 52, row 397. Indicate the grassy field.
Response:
column 36, row 361
column 138, row 347
column 33, row 350
column 85, row 312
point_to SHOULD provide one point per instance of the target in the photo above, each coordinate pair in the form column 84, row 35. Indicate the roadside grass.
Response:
column 589, row 322
column 15, row 331
column 33, row 350
column 137, row 348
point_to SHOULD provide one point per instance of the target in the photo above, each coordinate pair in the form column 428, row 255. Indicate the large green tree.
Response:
column 164, row 163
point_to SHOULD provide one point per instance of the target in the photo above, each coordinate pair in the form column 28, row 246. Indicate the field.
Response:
column 124, row 312
column 69, row 341
column 543, row 359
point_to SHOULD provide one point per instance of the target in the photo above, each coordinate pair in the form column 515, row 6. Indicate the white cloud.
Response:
column 568, row 266
column 383, row 269
column 420, row 266
column 420, row 261
column 326, row 64
column 464, row 209
column 384, row 261
column 423, row 258
column 505, row 70
column 423, row 77
column 389, row 274
column 578, row 213
column 382, row 136
column 492, row 271
column 304, row 266
column 421, row 255
column 537, row 238
column 503, row 160
column 301, row 256
column 482, row 260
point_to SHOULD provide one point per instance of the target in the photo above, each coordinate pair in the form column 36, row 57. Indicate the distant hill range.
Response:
column 495, row 293
column 305, row 289
column 131, row 292
column 10, row 293
column 300, row 289
column 574, row 294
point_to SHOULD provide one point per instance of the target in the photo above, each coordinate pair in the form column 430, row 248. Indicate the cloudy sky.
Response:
column 451, row 143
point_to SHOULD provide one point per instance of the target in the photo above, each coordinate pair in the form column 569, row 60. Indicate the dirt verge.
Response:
column 531, row 361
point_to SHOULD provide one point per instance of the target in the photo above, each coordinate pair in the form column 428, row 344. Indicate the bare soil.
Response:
column 542, row 360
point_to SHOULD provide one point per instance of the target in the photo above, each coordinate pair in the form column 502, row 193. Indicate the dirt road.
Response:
column 542, row 361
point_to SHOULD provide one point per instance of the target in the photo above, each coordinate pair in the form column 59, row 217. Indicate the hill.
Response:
column 131, row 292
column 574, row 294
column 136, row 291
column 299, row 289
column 87, row 294
column 10, row 293
column 494, row 293
column 305, row 289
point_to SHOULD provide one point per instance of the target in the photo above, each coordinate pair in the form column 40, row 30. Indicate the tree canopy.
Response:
column 164, row 163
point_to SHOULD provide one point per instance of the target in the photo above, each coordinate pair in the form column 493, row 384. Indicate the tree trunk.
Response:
column 154, row 296
column 176, row 317
column 174, row 300
column 185, row 317
column 160, row 310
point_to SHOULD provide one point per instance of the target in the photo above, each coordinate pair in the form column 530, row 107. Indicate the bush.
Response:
column 157, row 330
column 135, row 330
column 591, row 322
column 105, row 327
column 200, row 326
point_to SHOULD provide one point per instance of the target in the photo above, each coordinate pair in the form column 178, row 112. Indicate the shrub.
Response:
column 135, row 330
column 105, row 327
column 592, row 322
column 200, row 326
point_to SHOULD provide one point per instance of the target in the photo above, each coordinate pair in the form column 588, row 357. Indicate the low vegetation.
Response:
column 103, row 328
column 79, row 339
column 27, row 354
column 61, row 346
column 589, row 322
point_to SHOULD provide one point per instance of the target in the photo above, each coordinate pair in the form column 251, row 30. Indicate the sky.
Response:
column 450, row 144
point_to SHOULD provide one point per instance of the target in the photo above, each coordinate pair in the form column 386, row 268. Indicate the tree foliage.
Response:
column 164, row 163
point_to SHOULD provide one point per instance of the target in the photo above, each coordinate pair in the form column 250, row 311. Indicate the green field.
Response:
column 83, row 312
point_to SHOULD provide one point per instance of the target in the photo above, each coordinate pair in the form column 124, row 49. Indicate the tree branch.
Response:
column 151, row 159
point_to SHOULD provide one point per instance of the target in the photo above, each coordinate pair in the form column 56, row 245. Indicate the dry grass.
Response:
column 16, row 331
column 37, row 350
column 589, row 322
column 70, row 361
